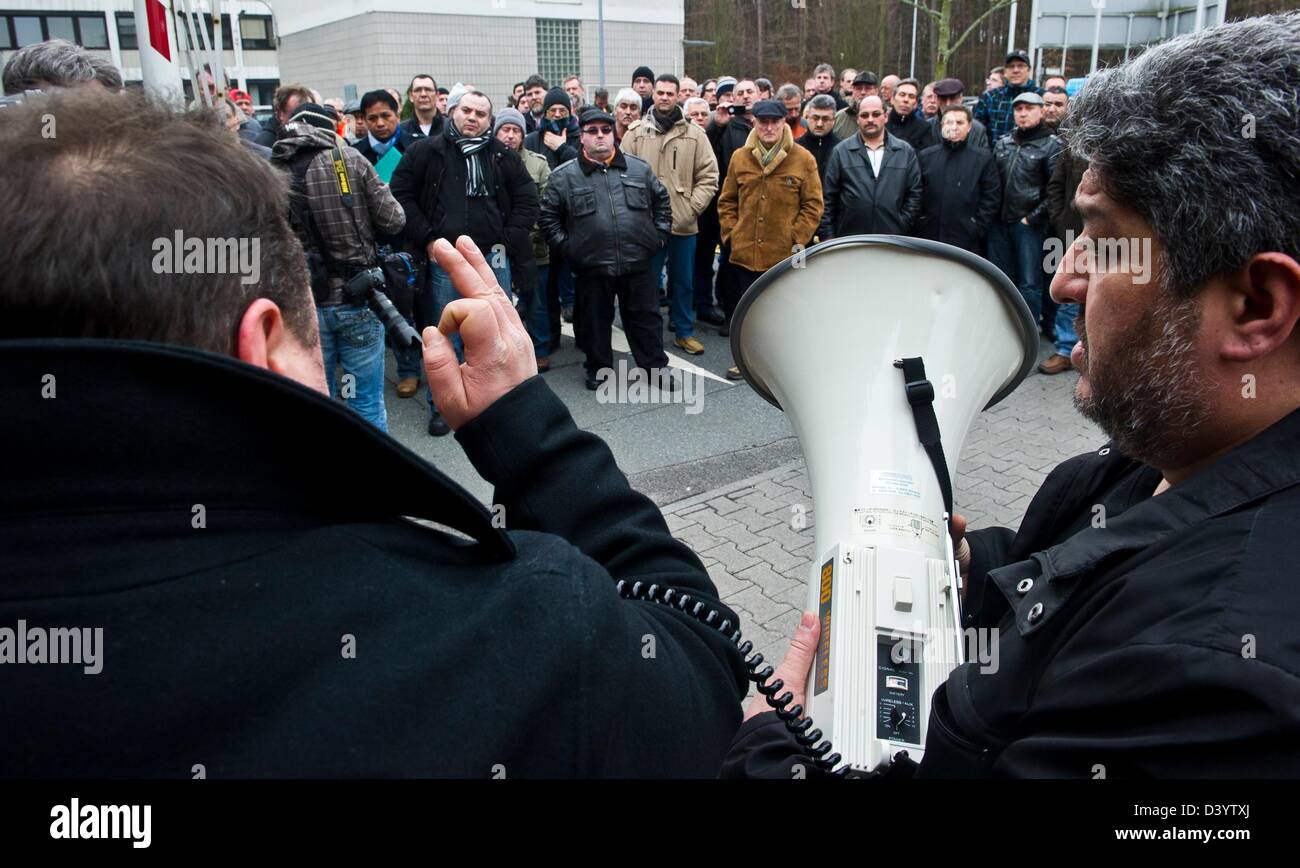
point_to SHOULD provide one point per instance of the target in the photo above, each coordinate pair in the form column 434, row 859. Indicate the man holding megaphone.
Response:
column 1145, row 610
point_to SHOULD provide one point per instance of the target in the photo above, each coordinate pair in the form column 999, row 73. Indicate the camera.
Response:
column 366, row 287
column 736, row 109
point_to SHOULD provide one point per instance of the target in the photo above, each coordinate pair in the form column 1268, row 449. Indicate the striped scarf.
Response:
column 471, row 149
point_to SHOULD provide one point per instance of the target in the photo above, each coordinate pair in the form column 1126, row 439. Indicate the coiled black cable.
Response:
column 800, row 727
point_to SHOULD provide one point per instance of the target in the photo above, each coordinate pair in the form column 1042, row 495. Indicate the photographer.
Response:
column 1145, row 611
column 340, row 242
column 268, row 608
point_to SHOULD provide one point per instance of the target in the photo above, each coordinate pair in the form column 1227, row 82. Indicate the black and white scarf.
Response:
column 471, row 148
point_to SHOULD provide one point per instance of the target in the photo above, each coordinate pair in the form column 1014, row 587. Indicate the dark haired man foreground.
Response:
column 1146, row 609
column 267, row 610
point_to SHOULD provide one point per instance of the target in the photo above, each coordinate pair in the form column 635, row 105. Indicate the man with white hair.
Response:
column 627, row 111
column 697, row 111
column 689, row 88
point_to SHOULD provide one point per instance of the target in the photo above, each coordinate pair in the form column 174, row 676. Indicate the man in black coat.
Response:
column 905, row 122
column 465, row 182
column 873, row 182
column 609, row 216
column 960, row 186
column 234, row 548
column 425, row 119
column 383, row 130
column 1145, row 611
column 556, row 137
column 819, row 141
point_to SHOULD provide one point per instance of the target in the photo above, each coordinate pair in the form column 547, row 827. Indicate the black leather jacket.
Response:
column 606, row 221
column 1025, row 162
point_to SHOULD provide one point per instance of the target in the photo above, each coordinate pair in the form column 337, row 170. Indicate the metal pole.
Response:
column 1096, row 38
column 1128, row 37
column 156, row 35
column 1035, row 55
column 600, row 38
column 1011, row 29
column 911, row 69
column 1065, row 44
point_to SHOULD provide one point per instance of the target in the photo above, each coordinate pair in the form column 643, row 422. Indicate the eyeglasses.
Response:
column 598, row 131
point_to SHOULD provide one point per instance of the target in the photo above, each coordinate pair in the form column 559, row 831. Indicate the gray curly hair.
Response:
column 1201, row 136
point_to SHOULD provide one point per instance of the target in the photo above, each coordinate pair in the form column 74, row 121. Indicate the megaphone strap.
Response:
column 920, row 396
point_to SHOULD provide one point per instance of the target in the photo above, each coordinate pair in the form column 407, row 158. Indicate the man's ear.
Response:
column 265, row 342
column 1263, row 300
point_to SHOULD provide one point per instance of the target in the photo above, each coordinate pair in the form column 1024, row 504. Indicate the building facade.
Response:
column 330, row 46
column 107, row 27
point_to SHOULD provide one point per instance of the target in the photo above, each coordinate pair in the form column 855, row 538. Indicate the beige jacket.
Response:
column 682, row 159
column 767, row 212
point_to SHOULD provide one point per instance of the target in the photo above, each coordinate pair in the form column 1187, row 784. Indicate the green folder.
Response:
column 388, row 164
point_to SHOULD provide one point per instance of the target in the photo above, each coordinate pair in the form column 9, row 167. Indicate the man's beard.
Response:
column 1148, row 393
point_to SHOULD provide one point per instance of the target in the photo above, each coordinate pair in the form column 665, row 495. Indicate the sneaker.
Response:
column 567, row 313
column 733, row 373
column 406, row 386
column 1055, row 364
column 691, row 345
column 711, row 316
column 593, row 382
column 437, row 427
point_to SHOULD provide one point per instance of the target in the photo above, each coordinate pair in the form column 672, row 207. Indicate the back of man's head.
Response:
column 56, row 63
column 94, row 219
column 1198, row 135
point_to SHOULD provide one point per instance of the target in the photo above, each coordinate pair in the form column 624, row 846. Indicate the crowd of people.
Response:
column 670, row 195
column 184, row 483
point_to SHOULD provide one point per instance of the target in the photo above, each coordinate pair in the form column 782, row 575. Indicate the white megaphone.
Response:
column 872, row 344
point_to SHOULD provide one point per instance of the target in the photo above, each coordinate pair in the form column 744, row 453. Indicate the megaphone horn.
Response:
column 881, row 350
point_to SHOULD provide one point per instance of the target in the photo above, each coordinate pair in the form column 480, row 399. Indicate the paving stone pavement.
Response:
column 745, row 537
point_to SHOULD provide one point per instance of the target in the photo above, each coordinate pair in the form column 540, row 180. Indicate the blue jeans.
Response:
column 1065, row 336
column 1017, row 249
column 680, row 254
column 532, row 310
column 353, row 337
column 441, row 293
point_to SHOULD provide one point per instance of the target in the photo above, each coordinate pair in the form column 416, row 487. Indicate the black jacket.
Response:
column 270, row 132
column 978, row 137
column 1166, row 641
column 412, row 126
column 1061, row 187
column 914, row 129
column 1025, row 161
column 821, row 148
column 726, row 140
column 960, row 194
column 568, row 151
column 430, row 183
column 606, row 222
column 859, row 203
column 197, row 510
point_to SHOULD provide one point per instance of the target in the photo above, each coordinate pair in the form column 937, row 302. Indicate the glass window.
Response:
column 252, row 28
column 126, row 31
column 557, row 48
column 61, row 27
column 28, row 29
column 5, row 41
column 94, row 33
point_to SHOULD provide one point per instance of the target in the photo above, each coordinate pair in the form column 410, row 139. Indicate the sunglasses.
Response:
column 598, row 131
